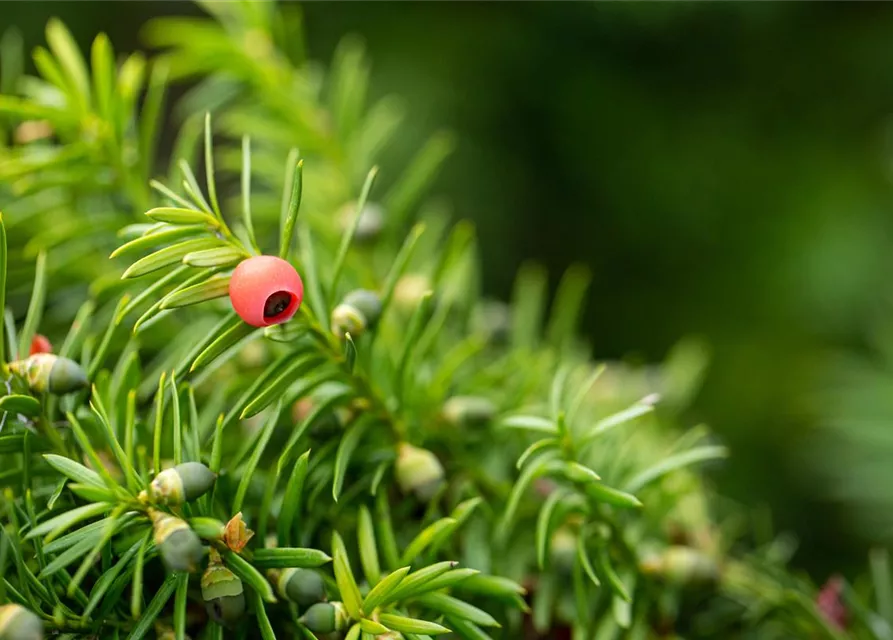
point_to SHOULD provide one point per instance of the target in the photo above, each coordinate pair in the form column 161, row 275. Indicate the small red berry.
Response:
column 265, row 290
column 40, row 344
column 830, row 602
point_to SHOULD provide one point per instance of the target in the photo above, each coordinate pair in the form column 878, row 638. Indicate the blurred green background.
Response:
column 724, row 169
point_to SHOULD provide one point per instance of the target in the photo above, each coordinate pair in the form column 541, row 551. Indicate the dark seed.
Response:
column 277, row 303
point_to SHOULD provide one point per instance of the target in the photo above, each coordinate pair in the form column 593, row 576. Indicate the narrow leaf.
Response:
column 411, row 625
column 674, row 462
column 216, row 287
column 425, row 537
column 450, row 606
column 347, row 586
column 284, row 557
column 348, row 236
column 291, row 211
column 249, row 575
column 146, row 620
column 384, row 588
column 178, row 216
column 349, row 443
column 168, row 256
column 291, row 500
column 216, row 257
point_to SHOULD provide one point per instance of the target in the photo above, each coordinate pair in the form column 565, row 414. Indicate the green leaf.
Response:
column 368, row 551
column 348, row 236
column 246, row 191
column 291, row 499
column 411, row 625
column 263, row 620
column 180, row 599
column 603, row 493
column 316, row 296
column 136, row 594
column 401, row 261
column 35, row 307
column 291, row 209
column 453, row 607
column 73, row 553
column 322, row 404
column 350, row 352
column 385, row 529
column 179, row 216
column 492, row 586
column 209, row 167
column 285, row 557
column 354, row 632
column 133, row 482
column 674, row 462
column 216, row 287
column 111, row 525
column 106, row 579
column 146, row 620
column 420, row 316
column 168, row 256
column 349, row 443
column 426, row 537
column 603, row 562
column 417, row 582
column 529, row 423
column 576, row 472
column 583, row 557
column 544, row 525
column 149, row 293
column 25, row 405
column 249, row 575
column 253, row 461
column 527, row 476
column 449, row 579
column 882, row 580
column 467, row 630
column 227, row 338
column 216, row 257
column 347, row 586
column 270, row 391
column 93, row 494
column 59, row 524
column 568, row 306
column 349, row 80
column 67, row 52
column 528, row 302
column 406, row 192
column 190, row 185
column 383, row 589
column 616, row 419
column 74, row 470
column 3, row 265
column 373, row 627
column 537, row 446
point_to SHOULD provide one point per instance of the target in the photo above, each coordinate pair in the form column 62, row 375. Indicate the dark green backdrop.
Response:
column 724, row 169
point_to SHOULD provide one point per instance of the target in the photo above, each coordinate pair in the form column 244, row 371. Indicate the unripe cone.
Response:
column 682, row 566
column 17, row 623
column 179, row 546
column 371, row 220
column 224, row 595
column 40, row 344
column 265, row 290
column 48, row 372
column 326, row 617
column 468, row 411
column 182, row 483
column 418, row 471
column 302, row 586
column 359, row 311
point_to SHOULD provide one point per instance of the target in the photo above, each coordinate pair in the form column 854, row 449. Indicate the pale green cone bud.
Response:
column 685, row 566
column 180, row 548
column 302, row 586
column 371, row 220
column 182, row 483
column 224, row 595
column 418, row 471
column 359, row 311
column 326, row 617
column 468, row 411
column 52, row 373
column 563, row 549
column 17, row 623
column 409, row 291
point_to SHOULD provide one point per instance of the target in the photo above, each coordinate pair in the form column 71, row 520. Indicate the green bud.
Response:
column 223, row 594
column 182, row 483
column 179, row 546
column 418, row 471
column 371, row 220
column 468, row 411
column 359, row 311
column 17, row 623
column 685, row 566
column 563, row 549
column 409, row 291
column 325, row 617
column 52, row 373
column 302, row 586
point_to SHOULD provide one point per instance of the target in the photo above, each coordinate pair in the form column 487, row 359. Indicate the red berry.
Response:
column 265, row 290
column 40, row 344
